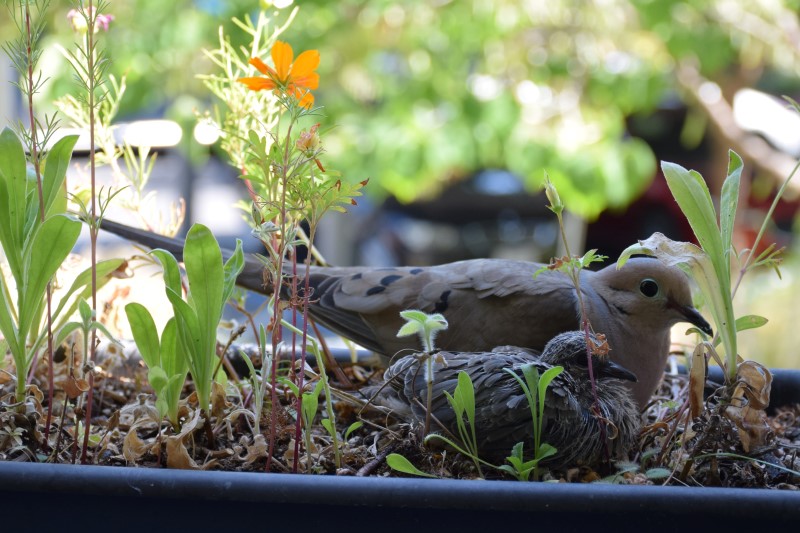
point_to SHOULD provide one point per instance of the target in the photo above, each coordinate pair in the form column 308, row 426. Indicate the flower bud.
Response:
column 552, row 195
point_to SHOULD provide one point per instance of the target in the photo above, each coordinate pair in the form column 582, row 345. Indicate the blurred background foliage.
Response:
column 421, row 93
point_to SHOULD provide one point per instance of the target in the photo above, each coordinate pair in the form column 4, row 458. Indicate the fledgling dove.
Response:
column 493, row 302
column 502, row 413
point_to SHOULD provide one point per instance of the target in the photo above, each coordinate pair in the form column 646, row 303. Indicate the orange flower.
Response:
column 296, row 77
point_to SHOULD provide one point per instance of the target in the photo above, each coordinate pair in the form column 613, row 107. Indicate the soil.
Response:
column 125, row 431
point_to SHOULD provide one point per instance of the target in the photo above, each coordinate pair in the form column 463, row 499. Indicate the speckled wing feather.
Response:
column 364, row 304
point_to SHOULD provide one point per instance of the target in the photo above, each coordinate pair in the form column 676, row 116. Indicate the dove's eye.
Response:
column 648, row 287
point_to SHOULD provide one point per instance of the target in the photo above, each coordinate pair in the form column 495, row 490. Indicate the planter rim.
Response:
column 140, row 482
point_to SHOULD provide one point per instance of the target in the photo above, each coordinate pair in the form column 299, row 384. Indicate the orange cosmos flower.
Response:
column 296, row 77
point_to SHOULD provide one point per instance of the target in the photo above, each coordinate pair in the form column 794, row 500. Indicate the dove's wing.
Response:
column 489, row 302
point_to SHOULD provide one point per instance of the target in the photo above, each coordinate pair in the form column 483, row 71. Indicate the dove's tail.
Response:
column 252, row 277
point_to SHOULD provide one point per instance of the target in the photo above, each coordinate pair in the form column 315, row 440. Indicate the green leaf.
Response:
column 103, row 271
column 145, row 334
column 464, row 394
column 13, row 186
column 729, row 199
column 692, row 195
column 658, row 473
column 13, row 173
column 413, row 314
column 65, row 331
column 55, row 171
column 85, row 311
column 401, row 464
column 158, row 379
column 7, row 326
column 204, row 269
column 409, row 328
column 328, row 425
column 750, row 322
column 233, row 267
column 51, row 243
column 544, row 381
column 172, row 274
column 203, row 261
column 545, row 451
column 351, row 428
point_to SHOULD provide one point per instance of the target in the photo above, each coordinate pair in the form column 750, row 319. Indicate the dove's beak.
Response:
column 694, row 317
column 613, row 370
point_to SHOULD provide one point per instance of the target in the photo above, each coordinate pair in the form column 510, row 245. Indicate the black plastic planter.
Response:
column 91, row 498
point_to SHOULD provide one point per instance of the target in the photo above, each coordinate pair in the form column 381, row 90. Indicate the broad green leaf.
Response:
column 13, row 172
column 158, row 379
column 409, row 328
column 55, row 170
column 465, row 396
column 729, row 200
column 203, row 261
column 401, row 464
column 692, row 195
column 173, row 360
column 51, row 243
column 750, row 322
column 172, row 274
column 413, row 314
column 145, row 334
column 545, row 451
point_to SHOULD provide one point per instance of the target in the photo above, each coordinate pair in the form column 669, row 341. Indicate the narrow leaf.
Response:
column 401, row 464
column 729, row 199
column 145, row 334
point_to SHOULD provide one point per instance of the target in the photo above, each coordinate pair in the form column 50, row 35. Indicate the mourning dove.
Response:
column 493, row 302
column 502, row 412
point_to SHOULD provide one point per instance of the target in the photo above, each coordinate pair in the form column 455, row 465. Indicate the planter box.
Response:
column 63, row 497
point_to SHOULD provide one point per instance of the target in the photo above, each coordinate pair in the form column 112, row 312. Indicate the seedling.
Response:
column 535, row 388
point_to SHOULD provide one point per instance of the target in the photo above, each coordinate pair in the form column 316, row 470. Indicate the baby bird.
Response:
column 502, row 414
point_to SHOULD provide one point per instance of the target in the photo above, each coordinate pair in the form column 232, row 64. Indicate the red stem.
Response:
column 92, row 16
column 37, row 169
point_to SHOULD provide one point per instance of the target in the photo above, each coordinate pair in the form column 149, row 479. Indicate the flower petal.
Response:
column 304, row 97
column 260, row 65
column 257, row 84
column 311, row 81
column 282, row 56
column 307, row 101
column 306, row 63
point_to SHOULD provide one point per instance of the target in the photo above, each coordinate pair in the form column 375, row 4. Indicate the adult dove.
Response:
column 502, row 413
column 493, row 302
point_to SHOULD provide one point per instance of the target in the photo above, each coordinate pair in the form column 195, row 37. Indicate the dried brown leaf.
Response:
column 697, row 380
column 257, row 450
column 133, row 448
column 178, row 456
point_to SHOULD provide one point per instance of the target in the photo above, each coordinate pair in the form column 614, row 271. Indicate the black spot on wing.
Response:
column 415, row 271
column 388, row 280
column 441, row 305
column 375, row 290
column 356, row 276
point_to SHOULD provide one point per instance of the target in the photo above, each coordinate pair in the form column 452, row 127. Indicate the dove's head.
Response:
column 649, row 295
column 569, row 350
